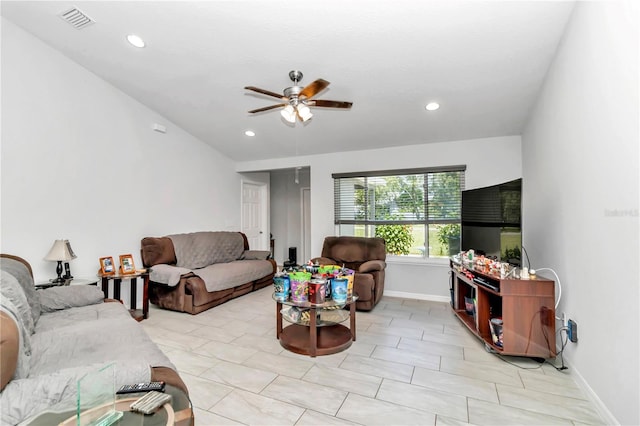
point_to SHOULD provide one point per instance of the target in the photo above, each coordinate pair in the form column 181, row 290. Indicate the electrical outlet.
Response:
column 572, row 331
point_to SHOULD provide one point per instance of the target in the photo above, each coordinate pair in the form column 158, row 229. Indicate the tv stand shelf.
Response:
column 526, row 307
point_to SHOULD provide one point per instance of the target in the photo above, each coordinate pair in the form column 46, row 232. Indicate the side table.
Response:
column 138, row 314
column 317, row 336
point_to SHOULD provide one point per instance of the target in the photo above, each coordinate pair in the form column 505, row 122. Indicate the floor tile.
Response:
column 452, row 383
column 204, row 393
column 313, row 418
column 486, row 413
column 447, row 404
column 407, row 356
column 226, row 351
column 339, row 378
column 251, row 409
column 295, row 368
column 207, row 418
column 191, row 362
column 323, row 399
column 239, row 376
column 433, row 348
column 542, row 402
column 504, row 374
column 369, row 411
column 379, row 368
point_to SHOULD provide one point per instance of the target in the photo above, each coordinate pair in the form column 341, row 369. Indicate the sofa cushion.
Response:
column 9, row 347
column 221, row 276
column 199, row 249
column 22, row 273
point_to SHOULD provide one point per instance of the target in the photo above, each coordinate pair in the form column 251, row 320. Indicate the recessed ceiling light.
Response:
column 250, row 133
column 135, row 40
column 432, row 106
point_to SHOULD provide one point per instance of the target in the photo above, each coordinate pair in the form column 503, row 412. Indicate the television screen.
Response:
column 491, row 221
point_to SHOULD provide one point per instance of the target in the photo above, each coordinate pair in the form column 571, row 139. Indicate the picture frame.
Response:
column 107, row 267
column 126, row 264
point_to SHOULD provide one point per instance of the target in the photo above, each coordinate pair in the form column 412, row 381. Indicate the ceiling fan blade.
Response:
column 266, row 92
column 267, row 108
column 312, row 89
column 330, row 104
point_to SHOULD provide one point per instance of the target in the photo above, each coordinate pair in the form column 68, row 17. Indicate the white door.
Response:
column 254, row 215
column 306, row 225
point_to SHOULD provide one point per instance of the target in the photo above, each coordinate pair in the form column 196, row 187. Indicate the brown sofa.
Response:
column 197, row 271
column 366, row 256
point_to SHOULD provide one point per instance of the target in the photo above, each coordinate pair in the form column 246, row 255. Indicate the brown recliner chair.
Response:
column 367, row 257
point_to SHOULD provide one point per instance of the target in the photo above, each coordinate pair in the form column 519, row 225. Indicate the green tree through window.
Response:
column 409, row 208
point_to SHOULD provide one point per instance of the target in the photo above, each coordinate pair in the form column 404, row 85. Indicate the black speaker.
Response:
column 293, row 255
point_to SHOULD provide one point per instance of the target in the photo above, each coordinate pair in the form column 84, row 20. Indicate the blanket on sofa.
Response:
column 200, row 249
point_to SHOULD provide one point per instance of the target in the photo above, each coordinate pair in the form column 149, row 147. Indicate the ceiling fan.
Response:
column 297, row 99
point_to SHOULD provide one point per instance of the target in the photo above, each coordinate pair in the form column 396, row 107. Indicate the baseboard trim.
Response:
column 601, row 409
column 419, row 296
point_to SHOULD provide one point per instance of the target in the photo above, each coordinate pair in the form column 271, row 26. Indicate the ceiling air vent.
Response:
column 77, row 18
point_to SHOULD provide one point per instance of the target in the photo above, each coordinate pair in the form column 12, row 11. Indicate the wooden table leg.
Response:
column 116, row 288
column 105, row 287
column 133, row 293
column 145, row 297
column 278, row 320
column 352, row 320
column 313, row 333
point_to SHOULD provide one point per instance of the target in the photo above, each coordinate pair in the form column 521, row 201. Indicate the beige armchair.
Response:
column 366, row 256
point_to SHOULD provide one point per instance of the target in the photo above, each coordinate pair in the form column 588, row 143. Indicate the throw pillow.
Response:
column 58, row 298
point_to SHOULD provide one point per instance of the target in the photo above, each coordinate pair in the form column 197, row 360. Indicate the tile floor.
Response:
column 413, row 364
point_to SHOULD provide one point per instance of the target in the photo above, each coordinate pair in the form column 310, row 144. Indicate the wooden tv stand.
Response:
column 526, row 306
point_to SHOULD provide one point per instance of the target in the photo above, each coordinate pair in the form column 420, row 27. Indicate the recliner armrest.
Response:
column 372, row 266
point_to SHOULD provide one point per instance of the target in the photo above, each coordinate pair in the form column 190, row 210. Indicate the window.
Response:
column 416, row 211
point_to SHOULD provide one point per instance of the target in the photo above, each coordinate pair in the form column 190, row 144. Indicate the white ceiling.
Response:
column 483, row 61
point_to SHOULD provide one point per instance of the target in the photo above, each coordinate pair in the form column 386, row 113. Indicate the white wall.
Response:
column 80, row 161
column 489, row 161
column 580, row 196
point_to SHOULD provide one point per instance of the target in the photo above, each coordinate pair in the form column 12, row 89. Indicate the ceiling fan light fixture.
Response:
column 288, row 114
column 304, row 112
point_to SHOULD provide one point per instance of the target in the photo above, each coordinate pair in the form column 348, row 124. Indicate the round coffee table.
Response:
column 321, row 333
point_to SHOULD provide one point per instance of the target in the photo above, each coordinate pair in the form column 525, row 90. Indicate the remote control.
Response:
column 142, row 387
column 149, row 403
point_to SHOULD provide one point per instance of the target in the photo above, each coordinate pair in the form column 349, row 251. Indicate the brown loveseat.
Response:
column 197, row 271
column 366, row 256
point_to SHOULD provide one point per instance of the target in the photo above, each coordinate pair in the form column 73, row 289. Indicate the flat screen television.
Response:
column 491, row 221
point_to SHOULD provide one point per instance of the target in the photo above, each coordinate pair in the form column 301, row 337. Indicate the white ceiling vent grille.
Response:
column 77, row 18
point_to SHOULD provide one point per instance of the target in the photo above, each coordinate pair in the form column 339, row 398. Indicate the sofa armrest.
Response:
column 58, row 298
column 372, row 266
column 323, row 261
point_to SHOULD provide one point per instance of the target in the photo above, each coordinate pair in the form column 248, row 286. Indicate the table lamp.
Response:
column 61, row 252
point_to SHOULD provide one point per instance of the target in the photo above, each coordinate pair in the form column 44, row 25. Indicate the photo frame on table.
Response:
column 126, row 264
column 107, row 267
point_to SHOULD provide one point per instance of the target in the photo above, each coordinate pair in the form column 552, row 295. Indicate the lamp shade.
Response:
column 60, row 251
